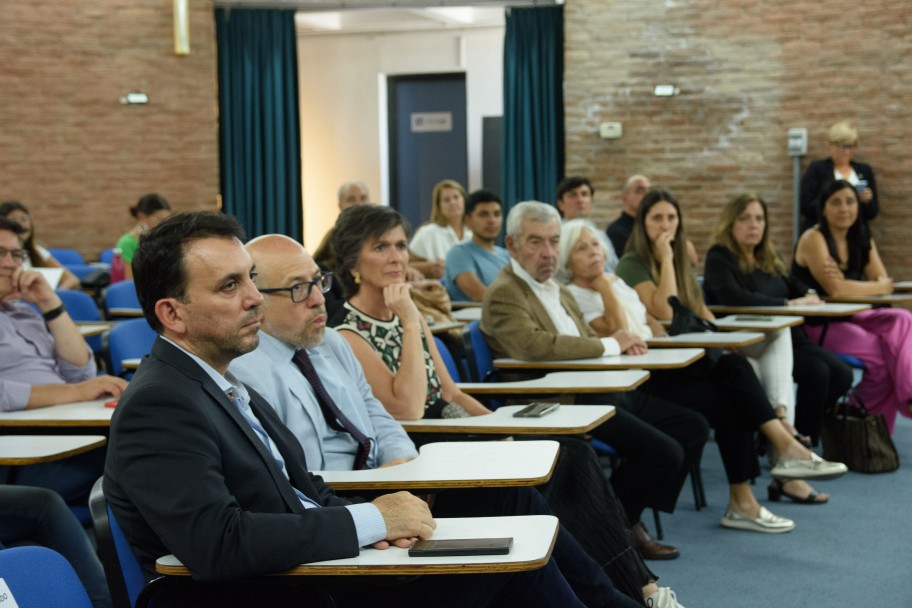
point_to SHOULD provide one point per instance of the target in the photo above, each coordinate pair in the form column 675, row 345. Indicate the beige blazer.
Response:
column 516, row 324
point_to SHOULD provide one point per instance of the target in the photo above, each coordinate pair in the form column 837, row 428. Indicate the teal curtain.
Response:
column 258, row 120
column 533, row 119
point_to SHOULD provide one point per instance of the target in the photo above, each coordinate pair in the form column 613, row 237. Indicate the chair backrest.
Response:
column 80, row 305
column 448, row 360
column 38, row 577
column 126, row 340
column 107, row 256
column 478, row 354
column 122, row 568
column 67, row 256
column 121, row 295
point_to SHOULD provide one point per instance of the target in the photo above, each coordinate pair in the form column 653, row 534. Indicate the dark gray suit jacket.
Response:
column 185, row 474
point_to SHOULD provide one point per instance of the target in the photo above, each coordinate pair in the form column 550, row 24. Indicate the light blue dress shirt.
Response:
column 472, row 257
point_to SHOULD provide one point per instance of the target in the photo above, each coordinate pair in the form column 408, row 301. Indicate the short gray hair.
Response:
column 353, row 182
column 536, row 211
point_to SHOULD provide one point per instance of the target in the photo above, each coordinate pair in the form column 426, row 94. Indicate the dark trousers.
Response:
column 822, row 378
column 40, row 516
column 731, row 398
column 658, row 441
column 71, row 477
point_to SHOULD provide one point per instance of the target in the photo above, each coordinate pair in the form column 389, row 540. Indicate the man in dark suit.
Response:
column 201, row 467
column 527, row 315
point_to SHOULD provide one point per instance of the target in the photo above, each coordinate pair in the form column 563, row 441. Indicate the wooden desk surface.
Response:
column 566, row 420
column 34, row 449
column 439, row 328
column 93, row 329
column 131, row 363
column 468, row 314
column 85, row 413
column 662, row 358
column 458, row 464
column 457, row 304
column 763, row 323
column 558, row 383
column 533, row 540
column 902, row 286
column 827, row 309
column 902, row 297
column 722, row 339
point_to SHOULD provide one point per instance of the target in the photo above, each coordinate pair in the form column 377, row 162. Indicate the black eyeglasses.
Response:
column 18, row 255
column 301, row 291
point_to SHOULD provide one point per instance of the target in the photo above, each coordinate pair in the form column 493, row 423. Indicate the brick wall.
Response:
column 69, row 150
column 747, row 72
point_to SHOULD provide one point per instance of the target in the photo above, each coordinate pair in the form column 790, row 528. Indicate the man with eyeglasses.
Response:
column 335, row 417
column 44, row 361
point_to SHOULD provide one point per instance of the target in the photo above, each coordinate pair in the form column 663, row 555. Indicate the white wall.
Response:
column 340, row 97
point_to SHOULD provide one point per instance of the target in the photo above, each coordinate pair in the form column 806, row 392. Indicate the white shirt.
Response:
column 592, row 306
column 548, row 292
column 433, row 242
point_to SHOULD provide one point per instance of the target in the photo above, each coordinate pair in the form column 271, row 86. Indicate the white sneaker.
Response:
column 764, row 522
column 663, row 598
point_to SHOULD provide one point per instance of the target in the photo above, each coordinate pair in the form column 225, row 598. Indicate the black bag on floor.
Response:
column 858, row 438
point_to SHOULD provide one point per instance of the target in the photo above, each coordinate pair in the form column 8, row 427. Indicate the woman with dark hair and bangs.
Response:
column 838, row 257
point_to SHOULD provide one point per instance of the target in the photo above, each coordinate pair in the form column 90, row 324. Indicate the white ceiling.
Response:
column 326, row 17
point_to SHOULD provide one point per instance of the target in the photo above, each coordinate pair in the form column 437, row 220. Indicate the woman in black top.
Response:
column 743, row 269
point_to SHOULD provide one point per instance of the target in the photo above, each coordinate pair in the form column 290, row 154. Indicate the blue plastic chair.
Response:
column 82, row 307
column 448, row 360
column 478, row 353
column 126, row 340
column 122, row 568
column 67, row 257
column 121, row 295
column 39, row 577
column 107, row 256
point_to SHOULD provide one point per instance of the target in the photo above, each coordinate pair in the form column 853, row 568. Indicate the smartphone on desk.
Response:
column 536, row 410
column 461, row 546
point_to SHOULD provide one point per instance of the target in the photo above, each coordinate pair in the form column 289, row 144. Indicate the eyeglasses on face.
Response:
column 18, row 255
column 299, row 292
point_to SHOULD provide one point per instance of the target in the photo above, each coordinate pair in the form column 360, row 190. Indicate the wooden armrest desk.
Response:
column 889, row 299
column 533, row 541
column 16, row 450
column 468, row 314
column 725, row 339
column 664, row 358
column 828, row 309
column 84, row 413
column 88, row 329
column 566, row 420
column 558, row 383
column 761, row 323
column 458, row 464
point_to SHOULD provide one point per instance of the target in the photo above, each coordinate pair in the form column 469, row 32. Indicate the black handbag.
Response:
column 686, row 321
column 853, row 435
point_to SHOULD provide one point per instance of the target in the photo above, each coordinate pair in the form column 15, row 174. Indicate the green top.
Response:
column 634, row 270
column 127, row 245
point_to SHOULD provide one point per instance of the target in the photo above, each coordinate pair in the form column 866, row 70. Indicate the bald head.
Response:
column 282, row 264
column 632, row 193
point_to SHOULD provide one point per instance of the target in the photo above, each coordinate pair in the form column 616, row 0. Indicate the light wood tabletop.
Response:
column 18, row 450
column 468, row 314
column 558, row 383
column 457, row 304
column 458, row 464
column 660, row 358
column 565, row 420
column 125, row 312
column 828, row 309
column 93, row 329
column 441, row 327
column 889, row 299
column 902, row 286
column 722, row 339
column 533, row 540
column 84, row 413
column 131, row 364
column 763, row 323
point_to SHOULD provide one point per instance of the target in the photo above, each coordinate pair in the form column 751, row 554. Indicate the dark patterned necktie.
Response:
column 334, row 416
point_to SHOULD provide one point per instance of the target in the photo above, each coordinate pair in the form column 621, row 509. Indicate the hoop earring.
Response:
column 357, row 276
